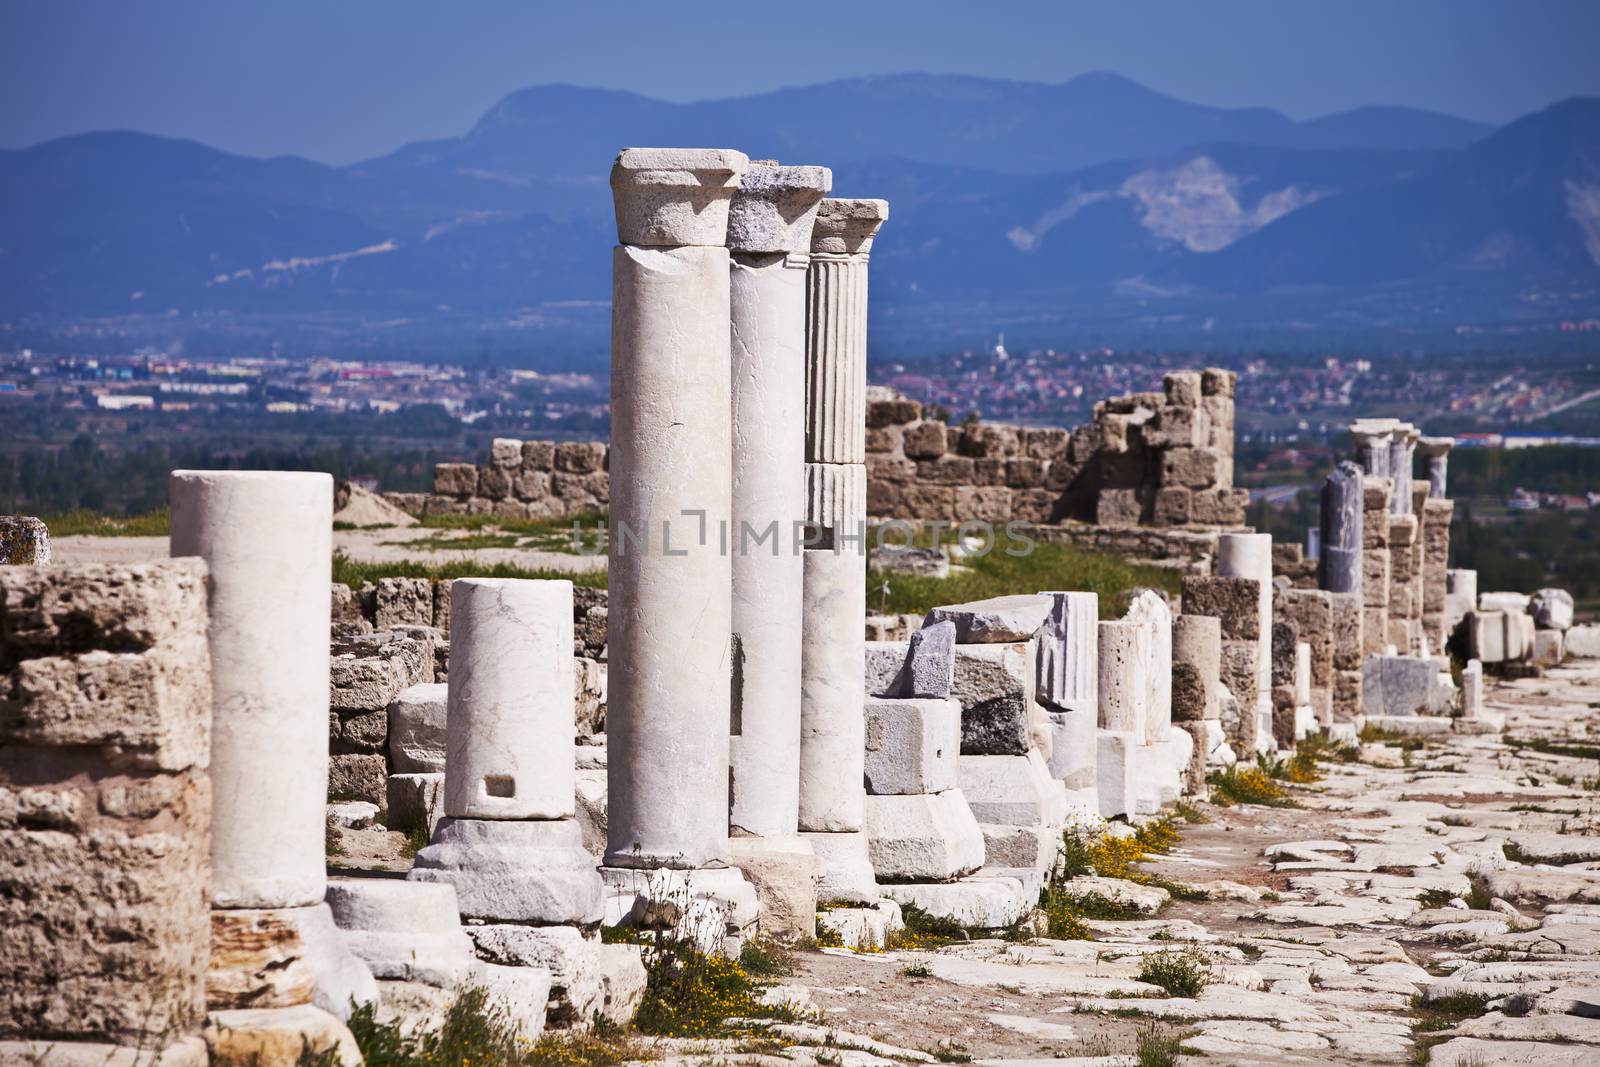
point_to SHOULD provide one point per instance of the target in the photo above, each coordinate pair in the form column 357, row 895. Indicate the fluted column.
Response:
column 671, row 499
column 832, row 703
column 1402, row 444
column 1436, row 450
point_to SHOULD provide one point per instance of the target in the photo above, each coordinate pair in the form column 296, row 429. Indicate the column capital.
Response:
column 774, row 208
column 668, row 197
column 847, row 227
column 1405, row 433
column 1366, row 433
column 1435, row 446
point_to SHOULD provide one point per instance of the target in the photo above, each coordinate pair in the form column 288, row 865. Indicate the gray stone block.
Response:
column 998, row 620
column 911, row 745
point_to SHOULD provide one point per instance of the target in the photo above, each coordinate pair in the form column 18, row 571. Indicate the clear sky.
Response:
column 340, row 80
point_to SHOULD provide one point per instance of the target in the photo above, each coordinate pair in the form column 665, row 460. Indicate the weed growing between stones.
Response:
column 1435, row 898
column 331, row 845
column 477, row 1032
column 922, row 929
column 1153, row 1047
column 1478, row 897
column 917, row 970
column 1189, row 813
column 1247, row 785
column 762, row 958
column 1181, row 973
column 689, row 993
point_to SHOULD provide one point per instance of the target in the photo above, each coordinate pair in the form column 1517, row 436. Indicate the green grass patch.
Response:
column 1373, row 735
column 1182, row 972
column 1432, row 899
column 354, row 572
column 83, row 522
column 1445, row 1012
column 762, row 958
column 1554, row 748
column 552, row 534
column 1047, row 566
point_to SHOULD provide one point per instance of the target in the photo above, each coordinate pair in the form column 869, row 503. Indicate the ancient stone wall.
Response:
column 105, row 807
column 1160, row 460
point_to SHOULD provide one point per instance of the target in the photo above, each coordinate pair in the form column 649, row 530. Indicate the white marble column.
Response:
column 833, row 692
column 1402, row 444
column 267, row 539
column 769, row 239
column 509, row 842
column 671, row 499
column 1371, row 439
column 1250, row 556
column 1150, row 608
column 1436, row 450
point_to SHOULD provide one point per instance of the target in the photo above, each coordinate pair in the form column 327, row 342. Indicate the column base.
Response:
column 586, row 977
column 268, row 958
column 784, row 871
column 343, row 980
column 847, row 876
column 860, row 928
column 980, row 902
column 712, row 907
column 404, row 931
column 278, row 1037
column 515, row 870
column 931, row 837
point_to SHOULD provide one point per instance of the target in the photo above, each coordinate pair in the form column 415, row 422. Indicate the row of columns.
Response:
column 738, row 416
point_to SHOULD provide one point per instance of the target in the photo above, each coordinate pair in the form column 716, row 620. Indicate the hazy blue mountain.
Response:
column 1076, row 203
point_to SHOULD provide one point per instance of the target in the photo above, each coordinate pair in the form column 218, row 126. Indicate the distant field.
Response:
column 82, row 522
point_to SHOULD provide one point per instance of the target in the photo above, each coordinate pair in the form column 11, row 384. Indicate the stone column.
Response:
column 1339, row 563
column 1372, row 438
column 1436, row 450
column 267, row 539
column 1402, row 445
column 1375, row 563
column 1068, row 685
column 1124, row 690
column 1250, row 556
column 833, row 691
column 1151, row 608
column 769, row 239
column 671, row 484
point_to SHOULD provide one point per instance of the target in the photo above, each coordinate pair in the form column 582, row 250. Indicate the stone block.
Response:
column 403, row 602
column 1552, row 609
column 924, row 439
column 1114, row 772
column 1215, row 381
column 455, row 479
column 1346, row 620
column 1192, row 468
column 368, row 671
column 784, row 872
column 579, row 967
column 932, row 837
column 417, row 729
column 358, row 776
column 1346, row 695
column 414, row 800
column 1240, row 671
column 24, row 541
column 948, row 470
column 1118, row 507
column 1011, row 847
column 983, row 903
column 1011, row 790
column 1172, row 506
column 885, row 667
column 1583, row 641
column 1487, row 636
column 1399, row 686
column 579, row 457
column 514, row 870
column 538, row 455
column 1196, row 666
column 1547, row 648
column 1284, row 639
column 995, row 685
column 1001, row 619
column 989, row 440
column 893, row 410
column 1504, row 602
column 1236, row 602
column 1072, row 746
column 1218, row 507
column 1025, row 473
column 1069, row 651
column 1183, row 387
column 912, row 745
column 931, row 661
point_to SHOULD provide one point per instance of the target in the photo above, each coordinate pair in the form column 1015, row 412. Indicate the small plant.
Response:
column 1248, row 785
column 1062, row 915
column 950, row 1052
column 1189, row 813
column 917, row 970
column 1479, row 897
column 1181, row 973
column 688, row 993
column 763, row 958
column 1435, row 898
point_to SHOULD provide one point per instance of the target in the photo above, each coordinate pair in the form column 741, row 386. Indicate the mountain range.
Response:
column 1055, row 212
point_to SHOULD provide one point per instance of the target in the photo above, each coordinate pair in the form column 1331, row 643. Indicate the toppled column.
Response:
column 832, row 725
column 104, row 919
column 1436, row 450
column 1124, row 689
column 24, row 541
column 266, row 537
column 1068, row 690
column 1339, row 559
column 1250, row 556
column 769, row 241
column 671, row 485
